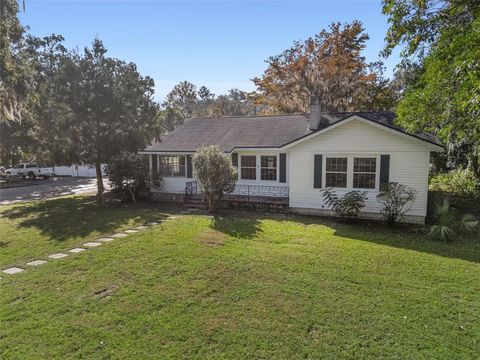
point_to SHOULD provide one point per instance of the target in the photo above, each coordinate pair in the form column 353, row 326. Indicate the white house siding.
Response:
column 257, row 187
column 409, row 164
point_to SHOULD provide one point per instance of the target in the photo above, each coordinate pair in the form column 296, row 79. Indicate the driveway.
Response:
column 44, row 189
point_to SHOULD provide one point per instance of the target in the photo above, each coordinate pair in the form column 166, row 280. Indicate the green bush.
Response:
column 347, row 206
column 393, row 199
column 459, row 182
column 450, row 224
column 129, row 175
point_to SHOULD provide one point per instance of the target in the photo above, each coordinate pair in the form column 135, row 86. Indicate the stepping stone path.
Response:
column 92, row 244
column 119, row 235
column 76, row 250
column 13, row 270
column 16, row 270
column 106, row 239
column 57, row 256
column 36, row 262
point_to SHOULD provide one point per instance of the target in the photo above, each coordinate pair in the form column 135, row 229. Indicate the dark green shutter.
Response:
column 189, row 167
column 154, row 164
column 283, row 168
column 235, row 159
column 384, row 170
column 317, row 172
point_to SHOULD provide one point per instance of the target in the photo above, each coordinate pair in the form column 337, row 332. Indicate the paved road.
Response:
column 44, row 189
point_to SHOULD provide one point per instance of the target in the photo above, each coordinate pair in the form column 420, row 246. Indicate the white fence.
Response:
column 77, row 170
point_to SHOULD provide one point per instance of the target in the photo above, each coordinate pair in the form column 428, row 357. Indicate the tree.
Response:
column 179, row 105
column 215, row 173
column 16, row 65
column 112, row 107
column 393, row 199
column 441, row 42
column 129, row 174
column 329, row 65
column 444, row 98
column 418, row 24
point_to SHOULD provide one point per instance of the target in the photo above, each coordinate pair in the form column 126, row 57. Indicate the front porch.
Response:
column 243, row 194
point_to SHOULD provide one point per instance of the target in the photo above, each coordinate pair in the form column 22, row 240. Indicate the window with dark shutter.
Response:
column 317, row 172
column 189, row 167
column 384, row 170
column 283, row 168
column 235, row 159
column 154, row 164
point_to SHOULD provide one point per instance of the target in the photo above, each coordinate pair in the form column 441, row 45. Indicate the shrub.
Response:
column 215, row 173
column 348, row 206
column 449, row 224
column 460, row 182
column 129, row 175
column 393, row 199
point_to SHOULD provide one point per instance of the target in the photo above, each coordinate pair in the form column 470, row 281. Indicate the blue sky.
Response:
column 220, row 44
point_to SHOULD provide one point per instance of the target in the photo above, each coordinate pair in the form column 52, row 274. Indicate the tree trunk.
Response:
column 100, row 188
column 211, row 203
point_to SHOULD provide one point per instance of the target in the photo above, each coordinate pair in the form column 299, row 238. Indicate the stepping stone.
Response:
column 119, row 235
column 152, row 223
column 13, row 270
column 141, row 227
column 92, row 244
column 172, row 217
column 106, row 239
column 76, row 250
column 185, row 212
column 57, row 256
column 131, row 231
column 36, row 262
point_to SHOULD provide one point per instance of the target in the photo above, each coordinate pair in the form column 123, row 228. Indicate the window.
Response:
column 249, row 167
column 364, row 173
column 269, row 168
column 31, row 166
column 172, row 165
column 336, row 172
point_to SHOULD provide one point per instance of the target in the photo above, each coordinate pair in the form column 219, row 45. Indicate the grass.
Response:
column 234, row 287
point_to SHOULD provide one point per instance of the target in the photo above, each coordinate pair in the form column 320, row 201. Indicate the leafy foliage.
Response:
column 185, row 101
column 449, row 224
column 129, row 175
column 329, row 65
column 215, row 172
column 393, row 199
column 348, row 206
column 417, row 24
column 460, row 182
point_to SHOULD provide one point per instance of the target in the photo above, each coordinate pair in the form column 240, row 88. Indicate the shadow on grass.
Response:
column 80, row 216
column 238, row 227
column 247, row 225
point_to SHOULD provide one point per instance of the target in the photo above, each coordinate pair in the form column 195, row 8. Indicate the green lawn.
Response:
column 233, row 287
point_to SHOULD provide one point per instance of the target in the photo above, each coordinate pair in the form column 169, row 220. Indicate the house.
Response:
column 292, row 157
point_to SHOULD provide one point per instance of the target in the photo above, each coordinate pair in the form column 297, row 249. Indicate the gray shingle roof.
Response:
column 255, row 131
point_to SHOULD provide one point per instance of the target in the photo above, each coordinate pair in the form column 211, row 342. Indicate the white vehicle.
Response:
column 29, row 170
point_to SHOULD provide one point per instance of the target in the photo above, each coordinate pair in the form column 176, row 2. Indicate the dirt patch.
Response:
column 105, row 292
column 212, row 238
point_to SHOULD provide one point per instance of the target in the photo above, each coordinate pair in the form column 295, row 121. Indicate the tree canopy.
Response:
column 329, row 65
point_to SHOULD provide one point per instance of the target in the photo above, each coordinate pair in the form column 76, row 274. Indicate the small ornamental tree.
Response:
column 129, row 175
column 393, row 199
column 347, row 206
column 215, row 173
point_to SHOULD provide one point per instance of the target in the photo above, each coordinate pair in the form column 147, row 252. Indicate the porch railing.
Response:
column 259, row 193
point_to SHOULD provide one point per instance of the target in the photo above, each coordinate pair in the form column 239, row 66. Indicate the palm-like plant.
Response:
column 447, row 223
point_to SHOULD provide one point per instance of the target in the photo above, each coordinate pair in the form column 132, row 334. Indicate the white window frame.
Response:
column 276, row 168
column 325, row 170
column 172, row 155
column 240, row 167
column 350, row 162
